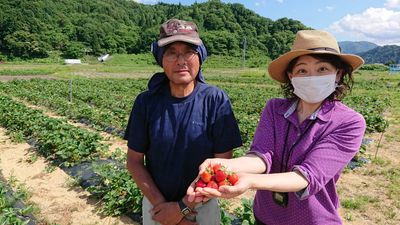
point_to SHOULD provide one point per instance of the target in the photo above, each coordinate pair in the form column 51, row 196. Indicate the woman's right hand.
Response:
column 196, row 194
column 227, row 191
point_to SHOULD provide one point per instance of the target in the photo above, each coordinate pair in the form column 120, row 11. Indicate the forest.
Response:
column 74, row 28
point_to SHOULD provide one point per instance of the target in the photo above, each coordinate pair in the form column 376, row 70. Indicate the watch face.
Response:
column 186, row 211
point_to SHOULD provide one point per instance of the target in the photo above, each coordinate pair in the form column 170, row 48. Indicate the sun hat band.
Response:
column 324, row 49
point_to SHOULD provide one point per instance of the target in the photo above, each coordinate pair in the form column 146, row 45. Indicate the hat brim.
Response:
column 184, row 38
column 277, row 68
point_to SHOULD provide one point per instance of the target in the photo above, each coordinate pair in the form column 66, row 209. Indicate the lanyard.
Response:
column 289, row 151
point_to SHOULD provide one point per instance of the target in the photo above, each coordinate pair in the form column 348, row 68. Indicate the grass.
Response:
column 357, row 202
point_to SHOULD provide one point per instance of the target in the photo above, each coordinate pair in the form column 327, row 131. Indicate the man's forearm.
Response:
column 145, row 183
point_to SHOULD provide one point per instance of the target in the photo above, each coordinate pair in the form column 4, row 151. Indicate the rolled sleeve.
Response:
column 331, row 154
column 304, row 193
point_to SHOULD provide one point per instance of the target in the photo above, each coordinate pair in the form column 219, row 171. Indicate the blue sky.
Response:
column 376, row 21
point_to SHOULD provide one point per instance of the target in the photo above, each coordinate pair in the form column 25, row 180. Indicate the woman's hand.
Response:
column 193, row 193
column 226, row 191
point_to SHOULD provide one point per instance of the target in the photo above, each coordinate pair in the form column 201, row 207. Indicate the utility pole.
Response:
column 244, row 52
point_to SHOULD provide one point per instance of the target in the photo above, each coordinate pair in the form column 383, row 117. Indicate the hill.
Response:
column 78, row 27
column 387, row 54
column 356, row 47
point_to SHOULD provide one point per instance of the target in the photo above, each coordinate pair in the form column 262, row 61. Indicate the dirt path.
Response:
column 58, row 200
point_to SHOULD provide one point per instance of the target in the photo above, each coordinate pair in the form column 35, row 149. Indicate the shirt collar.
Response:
column 323, row 112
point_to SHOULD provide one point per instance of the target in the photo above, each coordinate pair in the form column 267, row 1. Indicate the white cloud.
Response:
column 394, row 4
column 378, row 25
column 280, row 1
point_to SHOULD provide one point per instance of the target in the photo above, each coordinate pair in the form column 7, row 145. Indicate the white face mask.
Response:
column 314, row 89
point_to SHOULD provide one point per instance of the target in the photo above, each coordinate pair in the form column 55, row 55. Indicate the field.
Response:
column 62, row 155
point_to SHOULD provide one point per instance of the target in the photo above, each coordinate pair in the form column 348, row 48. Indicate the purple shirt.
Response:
column 334, row 136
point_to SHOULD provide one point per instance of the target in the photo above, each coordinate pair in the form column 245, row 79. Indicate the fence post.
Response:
column 70, row 90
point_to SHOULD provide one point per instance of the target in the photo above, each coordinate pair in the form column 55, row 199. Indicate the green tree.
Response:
column 25, row 45
column 74, row 50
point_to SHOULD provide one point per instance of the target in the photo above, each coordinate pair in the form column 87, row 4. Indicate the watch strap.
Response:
column 185, row 210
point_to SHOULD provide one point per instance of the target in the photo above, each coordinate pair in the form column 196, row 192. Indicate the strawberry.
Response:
column 212, row 184
column 206, row 176
column 200, row 183
column 217, row 167
column 224, row 182
column 233, row 178
column 220, row 176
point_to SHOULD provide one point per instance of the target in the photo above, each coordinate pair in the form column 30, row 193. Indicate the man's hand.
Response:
column 185, row 221
column 167, row 213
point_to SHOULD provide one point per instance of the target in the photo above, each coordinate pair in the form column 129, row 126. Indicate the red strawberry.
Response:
column 224, row 182
column 233, row 178
column 212, row 184
column 220, row 175
column 200, row 183
column 206, row 176
column 217, row 167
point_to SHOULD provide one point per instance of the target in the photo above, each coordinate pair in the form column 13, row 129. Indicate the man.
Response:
column 174, row 126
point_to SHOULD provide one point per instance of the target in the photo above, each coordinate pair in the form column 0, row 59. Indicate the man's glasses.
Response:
column 173, row 56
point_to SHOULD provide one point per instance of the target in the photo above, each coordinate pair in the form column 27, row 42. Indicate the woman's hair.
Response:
column 344, row 85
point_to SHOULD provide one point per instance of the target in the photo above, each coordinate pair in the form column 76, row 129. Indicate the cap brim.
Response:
column 184, row 38
column 277, row 68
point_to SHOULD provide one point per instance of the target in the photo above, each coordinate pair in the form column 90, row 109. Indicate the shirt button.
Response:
column 298, row 134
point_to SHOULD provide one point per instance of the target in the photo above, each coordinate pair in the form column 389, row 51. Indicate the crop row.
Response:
column 70, row 147
column 12, row 211
column 57, row 140
column 106, row 103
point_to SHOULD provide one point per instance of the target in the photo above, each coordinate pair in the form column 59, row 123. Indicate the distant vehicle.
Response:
column 103, row 58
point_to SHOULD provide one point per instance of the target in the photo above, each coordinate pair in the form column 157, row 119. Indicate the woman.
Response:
column 302, row 142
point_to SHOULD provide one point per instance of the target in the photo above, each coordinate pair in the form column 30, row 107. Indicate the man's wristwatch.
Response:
column 185, row 210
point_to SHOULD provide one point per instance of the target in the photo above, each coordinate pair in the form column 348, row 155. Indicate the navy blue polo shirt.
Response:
column 178, row 134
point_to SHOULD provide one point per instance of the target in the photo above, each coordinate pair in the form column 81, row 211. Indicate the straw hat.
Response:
column 310, row 42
